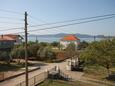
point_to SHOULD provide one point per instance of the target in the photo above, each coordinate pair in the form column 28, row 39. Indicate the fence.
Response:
column 36, row 79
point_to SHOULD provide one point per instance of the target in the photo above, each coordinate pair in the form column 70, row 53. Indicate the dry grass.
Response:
column 63, row 83
column 98, row 72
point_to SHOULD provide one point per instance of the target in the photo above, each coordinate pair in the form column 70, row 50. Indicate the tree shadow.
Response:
column 111, row 77
column 41, row 64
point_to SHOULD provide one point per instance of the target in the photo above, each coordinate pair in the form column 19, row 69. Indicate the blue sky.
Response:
column 59, row 10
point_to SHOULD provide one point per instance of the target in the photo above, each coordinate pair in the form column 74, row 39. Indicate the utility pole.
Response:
column 26, row 56
column 36, row 39
column 94, row 38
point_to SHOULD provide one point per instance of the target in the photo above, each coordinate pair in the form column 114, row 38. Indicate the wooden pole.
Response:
column 26, row 56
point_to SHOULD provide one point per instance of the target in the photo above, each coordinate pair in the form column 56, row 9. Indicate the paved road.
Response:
column 75, row 75
column 14, row 81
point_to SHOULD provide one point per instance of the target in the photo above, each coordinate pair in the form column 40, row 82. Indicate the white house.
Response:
column 69, row 39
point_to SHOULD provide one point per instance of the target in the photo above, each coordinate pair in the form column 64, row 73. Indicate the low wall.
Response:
column 3, row 78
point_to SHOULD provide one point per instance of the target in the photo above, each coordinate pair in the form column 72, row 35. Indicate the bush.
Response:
column 46, row 53
column 41, row 51
column 4, row 56
column 18, row 53
column 32, row 50
column 55, row 44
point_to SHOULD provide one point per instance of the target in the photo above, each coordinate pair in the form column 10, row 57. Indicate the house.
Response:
column 9, row 40
column 66, row 40
column 17, row 38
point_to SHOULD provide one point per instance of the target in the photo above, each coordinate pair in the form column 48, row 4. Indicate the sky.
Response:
column 46, row 11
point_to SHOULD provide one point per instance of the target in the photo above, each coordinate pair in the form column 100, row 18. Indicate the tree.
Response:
column 101, row 53
column 41, row 53
column 46, row 53
column 55, row 44
column 61, row 46
column 50, row 54
column 18, row 53
column 43, row 44
column 83, row 45
column 4, row 55
column 71, row 50
column 32, row 50
column 31, row 43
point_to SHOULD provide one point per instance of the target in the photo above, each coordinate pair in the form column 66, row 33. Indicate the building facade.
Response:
column 66, row 40
column 8, row 41
column 17, row 38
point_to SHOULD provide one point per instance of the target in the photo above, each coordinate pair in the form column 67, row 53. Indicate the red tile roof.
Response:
column 70, row 38
column 13, row 36
column 7, row 38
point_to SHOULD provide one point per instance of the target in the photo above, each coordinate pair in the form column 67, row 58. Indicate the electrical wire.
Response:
column 11, row 23
column 11, row 18
column 55, row 27
column 10, row 11
column 72, row 20
column 13, row 29
column 102, row 18
column 36, row 19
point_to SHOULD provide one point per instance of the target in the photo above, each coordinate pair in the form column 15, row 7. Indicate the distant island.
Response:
column 59, row 35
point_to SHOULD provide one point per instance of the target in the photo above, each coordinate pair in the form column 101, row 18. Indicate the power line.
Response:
column 102, row 17
column 11, row 18
column 10, row 11
column 71, row 24
column 36, row 19
column 13, row 29
column 72, row 20
column 11, row 23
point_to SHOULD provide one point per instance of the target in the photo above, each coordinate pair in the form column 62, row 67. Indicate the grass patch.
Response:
column 95, row 71
column 12, row 66
column 9, row 67
column 63, row 83
column 113, row 70
column 112, row 76
column 98, row 72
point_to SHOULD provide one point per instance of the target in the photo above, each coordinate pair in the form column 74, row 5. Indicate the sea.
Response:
column 57, row 39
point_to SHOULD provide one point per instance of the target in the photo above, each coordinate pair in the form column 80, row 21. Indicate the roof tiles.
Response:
column 70, row 38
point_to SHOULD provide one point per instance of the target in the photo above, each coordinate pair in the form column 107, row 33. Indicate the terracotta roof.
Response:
column 70, row 38
column 13, row 36
column 6, row 38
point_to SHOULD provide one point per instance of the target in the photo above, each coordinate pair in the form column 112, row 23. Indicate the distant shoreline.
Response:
column 57, row 39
